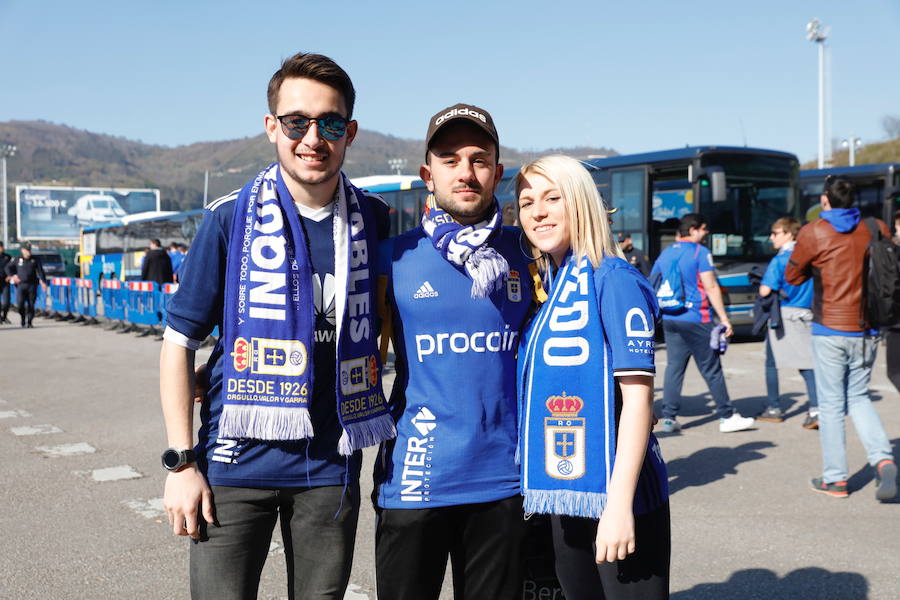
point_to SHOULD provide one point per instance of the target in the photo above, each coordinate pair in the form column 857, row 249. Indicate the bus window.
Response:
column 628, row 189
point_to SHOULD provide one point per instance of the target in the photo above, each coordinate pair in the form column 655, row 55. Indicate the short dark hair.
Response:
column 691, row 221
column 156, row 242
column 318, row 68
column 840, row 191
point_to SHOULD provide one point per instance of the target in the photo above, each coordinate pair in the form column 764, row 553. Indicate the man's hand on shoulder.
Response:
column 187, row 497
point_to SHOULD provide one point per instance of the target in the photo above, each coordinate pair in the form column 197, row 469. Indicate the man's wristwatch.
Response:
column 175, row 460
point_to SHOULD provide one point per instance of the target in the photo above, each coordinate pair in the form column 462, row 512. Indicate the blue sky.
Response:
column 633, row 76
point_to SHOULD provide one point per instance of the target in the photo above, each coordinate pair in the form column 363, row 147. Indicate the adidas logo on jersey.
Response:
column 425, row 291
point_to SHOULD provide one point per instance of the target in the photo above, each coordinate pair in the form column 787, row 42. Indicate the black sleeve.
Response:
column 10, row 269
column 39, row 270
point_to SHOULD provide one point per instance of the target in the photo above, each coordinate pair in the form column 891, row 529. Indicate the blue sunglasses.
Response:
column 331, row 127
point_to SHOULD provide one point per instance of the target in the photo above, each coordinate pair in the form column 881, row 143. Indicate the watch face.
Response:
column 170, row 459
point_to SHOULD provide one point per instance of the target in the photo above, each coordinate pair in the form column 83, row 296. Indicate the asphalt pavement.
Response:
column 81, row 485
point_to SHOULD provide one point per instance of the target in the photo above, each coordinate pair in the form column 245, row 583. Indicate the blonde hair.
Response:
column 590, row 234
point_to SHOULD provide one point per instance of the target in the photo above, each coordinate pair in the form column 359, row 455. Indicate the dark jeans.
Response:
column 318, row 526
column 643, row 575
column 483, row 542
column 684, row 340
column 808, row 375
column 26, row 293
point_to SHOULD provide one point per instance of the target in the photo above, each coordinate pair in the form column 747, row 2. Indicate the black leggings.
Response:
column 643, row 575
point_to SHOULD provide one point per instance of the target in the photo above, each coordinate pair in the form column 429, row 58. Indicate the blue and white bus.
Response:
column 116, row 251
column 740, row 190
column 877, row 189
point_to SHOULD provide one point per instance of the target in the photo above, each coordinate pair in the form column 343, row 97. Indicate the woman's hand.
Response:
column 615, row 535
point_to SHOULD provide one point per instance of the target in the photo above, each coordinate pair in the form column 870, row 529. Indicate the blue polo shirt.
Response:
column 799, row 296
column 693, row 259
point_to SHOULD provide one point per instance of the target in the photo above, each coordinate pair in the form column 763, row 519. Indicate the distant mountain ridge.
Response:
column 52, row 154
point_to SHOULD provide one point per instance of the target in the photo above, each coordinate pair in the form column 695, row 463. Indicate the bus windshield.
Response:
column 761, row 189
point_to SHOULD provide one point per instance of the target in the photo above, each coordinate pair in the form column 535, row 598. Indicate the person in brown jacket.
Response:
column 832, row 250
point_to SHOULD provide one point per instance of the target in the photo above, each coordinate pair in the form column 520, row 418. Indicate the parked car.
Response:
column 96, row 208
column 53, row 263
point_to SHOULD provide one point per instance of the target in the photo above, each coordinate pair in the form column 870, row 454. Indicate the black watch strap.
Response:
column 174, row 459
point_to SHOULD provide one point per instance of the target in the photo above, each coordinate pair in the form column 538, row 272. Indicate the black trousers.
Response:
column 643, row 575
column 318, row 526
column 483, row 542
column 4, row 297
column 25, row 297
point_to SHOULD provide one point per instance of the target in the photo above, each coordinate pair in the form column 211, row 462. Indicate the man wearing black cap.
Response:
column 457, row 295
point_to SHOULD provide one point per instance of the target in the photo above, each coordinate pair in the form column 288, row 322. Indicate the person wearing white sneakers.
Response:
column 688, row 329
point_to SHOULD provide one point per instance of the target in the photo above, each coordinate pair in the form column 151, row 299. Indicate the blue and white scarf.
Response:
column 269, row 321
column 467, row 246
column 566, row 401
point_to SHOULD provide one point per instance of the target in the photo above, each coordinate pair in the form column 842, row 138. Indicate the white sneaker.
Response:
column 735, row 423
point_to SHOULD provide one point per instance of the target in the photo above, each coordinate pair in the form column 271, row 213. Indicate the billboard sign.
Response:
column 59, row 213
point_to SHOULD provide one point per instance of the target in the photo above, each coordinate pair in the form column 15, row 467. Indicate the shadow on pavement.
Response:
column 711, row 464
column 762, row 584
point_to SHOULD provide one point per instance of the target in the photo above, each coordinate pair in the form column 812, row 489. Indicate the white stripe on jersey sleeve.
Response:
column 634, row 372
column 182, row 340
column 215, row 204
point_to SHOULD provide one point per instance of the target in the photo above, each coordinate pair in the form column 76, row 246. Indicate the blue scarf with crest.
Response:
column 269, row 321
column 566, row 405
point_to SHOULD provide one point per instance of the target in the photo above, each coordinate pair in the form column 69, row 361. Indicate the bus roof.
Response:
column 858, row 170
column 659, row 156
column 157, row 216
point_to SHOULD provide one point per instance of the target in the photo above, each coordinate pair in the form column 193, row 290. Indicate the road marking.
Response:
column 14, row 414
column 35, row 429
column 66, row 449
column 112, row 473
column 354, row 592
column 150, row 509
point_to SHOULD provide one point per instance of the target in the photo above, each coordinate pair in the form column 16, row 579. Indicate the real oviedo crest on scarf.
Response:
column 564, row 435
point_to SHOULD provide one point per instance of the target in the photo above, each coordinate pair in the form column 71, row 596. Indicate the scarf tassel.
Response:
column 265, row 422
column 363, row 434
column 565, row 502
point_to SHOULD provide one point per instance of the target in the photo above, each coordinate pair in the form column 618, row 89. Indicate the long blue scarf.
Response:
column 466, row 246
column 566, row 403
column 269, row 321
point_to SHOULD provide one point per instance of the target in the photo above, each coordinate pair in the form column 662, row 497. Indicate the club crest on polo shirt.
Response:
column 513, row 286
column 564, row 438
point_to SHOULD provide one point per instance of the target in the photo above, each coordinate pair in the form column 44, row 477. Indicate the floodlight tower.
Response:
column 852, row 143
column 815, row 32
column 6, row 151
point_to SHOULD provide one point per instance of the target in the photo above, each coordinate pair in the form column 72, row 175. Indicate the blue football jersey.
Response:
column 454, row 396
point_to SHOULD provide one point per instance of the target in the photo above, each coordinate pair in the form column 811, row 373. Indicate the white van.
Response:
column 96, row 208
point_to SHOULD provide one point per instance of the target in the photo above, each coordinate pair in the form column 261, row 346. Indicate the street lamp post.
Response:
column 818, row 34
column 6, row 151
column 853, row 143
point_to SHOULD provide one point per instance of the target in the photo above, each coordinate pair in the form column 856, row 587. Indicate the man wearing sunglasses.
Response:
column 284, row 268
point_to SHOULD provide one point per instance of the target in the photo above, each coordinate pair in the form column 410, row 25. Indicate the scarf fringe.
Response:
column 565, row 502
column 265, row 422
column 488, row 270
column 363, row 434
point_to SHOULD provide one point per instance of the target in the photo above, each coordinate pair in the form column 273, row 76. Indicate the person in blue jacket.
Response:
column 586, row 369
column 790, row 345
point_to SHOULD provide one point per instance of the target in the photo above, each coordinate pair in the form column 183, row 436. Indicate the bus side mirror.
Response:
column 714, row 177
column 719, row 187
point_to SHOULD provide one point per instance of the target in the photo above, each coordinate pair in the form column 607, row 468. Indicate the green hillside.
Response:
column 53, row 154
column 870, row 154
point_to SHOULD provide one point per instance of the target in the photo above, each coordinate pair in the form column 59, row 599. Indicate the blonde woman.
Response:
column 586, row 372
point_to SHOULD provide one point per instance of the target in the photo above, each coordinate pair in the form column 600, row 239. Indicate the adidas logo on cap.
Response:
column 425, row 291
